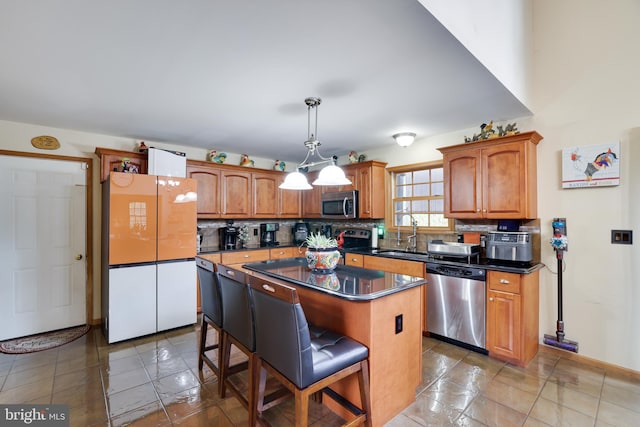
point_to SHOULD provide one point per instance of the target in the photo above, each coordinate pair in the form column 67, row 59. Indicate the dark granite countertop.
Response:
column 352, row 283
column 489, row 264
column 216, row 249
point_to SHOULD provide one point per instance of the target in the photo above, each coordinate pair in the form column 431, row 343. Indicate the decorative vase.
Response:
column 322, row 259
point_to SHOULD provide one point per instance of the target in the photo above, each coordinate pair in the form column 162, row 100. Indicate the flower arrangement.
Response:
column 243, row 233
column 320, row 241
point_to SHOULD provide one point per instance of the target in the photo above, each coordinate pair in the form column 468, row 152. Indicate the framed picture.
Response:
column 591, row 166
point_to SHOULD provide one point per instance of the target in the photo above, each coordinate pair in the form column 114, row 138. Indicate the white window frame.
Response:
column 391, row 191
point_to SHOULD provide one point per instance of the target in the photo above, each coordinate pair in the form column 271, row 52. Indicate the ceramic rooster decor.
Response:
column 246, row 161
column 353, row 157
column 280, row 165
column 217, row 158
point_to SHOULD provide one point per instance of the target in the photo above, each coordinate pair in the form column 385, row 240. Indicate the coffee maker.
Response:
column 228, row 236
column 268, row 234
column 300, row 232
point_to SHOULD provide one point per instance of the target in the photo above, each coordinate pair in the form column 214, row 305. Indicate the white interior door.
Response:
column 42, row 245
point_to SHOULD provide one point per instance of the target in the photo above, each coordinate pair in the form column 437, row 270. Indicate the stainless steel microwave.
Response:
column 340, row 204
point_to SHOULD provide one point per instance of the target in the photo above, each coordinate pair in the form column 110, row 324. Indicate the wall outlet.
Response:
column 622, row 237
column 398, row 323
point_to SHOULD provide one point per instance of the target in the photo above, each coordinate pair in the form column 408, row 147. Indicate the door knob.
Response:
column 78, row 257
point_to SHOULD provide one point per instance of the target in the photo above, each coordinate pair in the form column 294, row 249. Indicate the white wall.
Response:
column 17, row 137
column 585, row 92
column 497, row 32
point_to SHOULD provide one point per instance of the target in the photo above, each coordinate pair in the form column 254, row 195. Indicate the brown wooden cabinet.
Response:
column 208, row 177
column 494, row 179
column 512, row 316
column 236, row 193
column 111, row 160
column 400, row 266
column 265, row 191
column 371, row 189
column 366, row 177
column 243, row 257
column 354, row 260
column 311, row 199
column 286, row 252
column 269, row 201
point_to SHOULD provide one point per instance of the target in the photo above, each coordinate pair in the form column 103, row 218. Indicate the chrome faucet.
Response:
column 412, row 240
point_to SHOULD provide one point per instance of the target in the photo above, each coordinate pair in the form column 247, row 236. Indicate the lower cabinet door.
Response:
column 503, row 325
column 132, row 302
column 176, row 294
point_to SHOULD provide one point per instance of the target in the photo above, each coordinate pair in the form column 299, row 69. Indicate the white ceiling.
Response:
column 233, row 74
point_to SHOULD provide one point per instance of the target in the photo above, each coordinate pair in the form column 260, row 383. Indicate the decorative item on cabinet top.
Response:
column 216, row 157
column 355, row 158
column 279, row 165
column 487, row 132
column 246, row 161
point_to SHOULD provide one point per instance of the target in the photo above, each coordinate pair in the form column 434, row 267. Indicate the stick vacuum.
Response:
column 559, row 243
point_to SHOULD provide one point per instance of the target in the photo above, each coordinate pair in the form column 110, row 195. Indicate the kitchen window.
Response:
column 418, row 195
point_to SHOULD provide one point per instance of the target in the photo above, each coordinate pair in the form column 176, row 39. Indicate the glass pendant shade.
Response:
column 295, row 181
column 331, row 175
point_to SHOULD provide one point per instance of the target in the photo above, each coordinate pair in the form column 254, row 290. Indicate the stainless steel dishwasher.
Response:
column 456, row 304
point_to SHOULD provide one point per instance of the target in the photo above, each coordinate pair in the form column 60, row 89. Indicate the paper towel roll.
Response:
column 374, row 237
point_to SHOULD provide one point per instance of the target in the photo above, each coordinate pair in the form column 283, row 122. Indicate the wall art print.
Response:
column 591, row 166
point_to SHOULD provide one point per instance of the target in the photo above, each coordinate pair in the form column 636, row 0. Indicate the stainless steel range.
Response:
column 456, row 296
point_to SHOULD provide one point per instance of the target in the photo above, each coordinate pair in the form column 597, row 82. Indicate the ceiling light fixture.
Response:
column 404, row 139
column 329, row 175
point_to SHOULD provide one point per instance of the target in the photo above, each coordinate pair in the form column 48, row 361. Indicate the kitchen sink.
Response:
column 414, row 256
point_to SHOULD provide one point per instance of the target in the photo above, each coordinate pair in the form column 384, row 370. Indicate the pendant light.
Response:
column 330, row 174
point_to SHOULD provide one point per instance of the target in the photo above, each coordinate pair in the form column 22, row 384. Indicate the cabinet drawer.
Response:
column 354, row 260
column 280, row 253
column 505, row 282
column 399, row 266
column 214, row 258
column 243, row 257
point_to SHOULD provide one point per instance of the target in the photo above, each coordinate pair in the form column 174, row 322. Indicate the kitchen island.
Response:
column 379, row 309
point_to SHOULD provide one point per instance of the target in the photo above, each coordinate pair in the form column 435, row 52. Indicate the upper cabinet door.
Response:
column 236, row 194
column 209, row 200
column 463, row 189
column 265, row 191
column 289, row 201
column 504, row 190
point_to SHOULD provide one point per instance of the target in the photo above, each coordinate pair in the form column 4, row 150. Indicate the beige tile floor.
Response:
column 154, row 381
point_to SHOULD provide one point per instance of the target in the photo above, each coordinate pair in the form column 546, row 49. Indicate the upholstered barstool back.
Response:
column 304, row 358
column 238, row 306
column 211, row 306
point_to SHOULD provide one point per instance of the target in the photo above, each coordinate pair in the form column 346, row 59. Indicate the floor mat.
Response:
column 44, row 341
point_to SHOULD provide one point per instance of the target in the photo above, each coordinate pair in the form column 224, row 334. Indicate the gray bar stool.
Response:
column 304, row 359
column 211, row 306
column 239, row 330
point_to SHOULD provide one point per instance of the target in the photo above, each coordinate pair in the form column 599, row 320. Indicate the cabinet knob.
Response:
column 490, row 298
column 504, row 281
column 246, row 256
column 478, row 210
